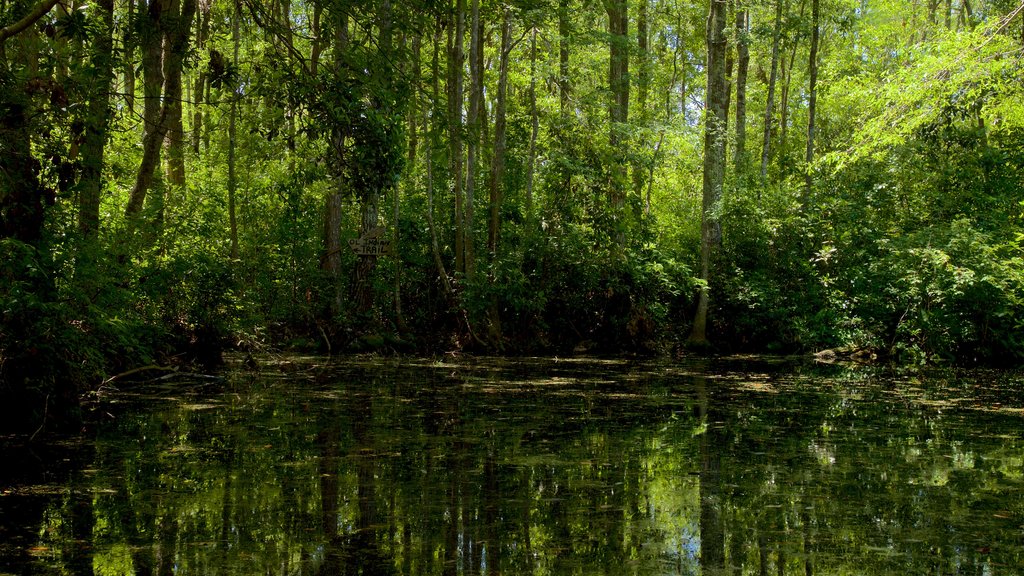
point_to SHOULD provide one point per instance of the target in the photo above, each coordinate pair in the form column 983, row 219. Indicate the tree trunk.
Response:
column 787, row 75
column 153, row 129
column 714, row 160
column 200, row 85
column 743, row 65
column 498, row 160
column 474, row 128
column 165, row 45
column 618, row 107
column 432, row 121
column 97, row 118
column 456, row 58
column 414, row 116
column 769, row 109
column 640, row 171
column 316, row 44
column 534, row 125
column 175, row 48
column 232, row 140
column 130, row 42
column 563, row 56
column 331, row 260
column 812, row 103
column 370, row 196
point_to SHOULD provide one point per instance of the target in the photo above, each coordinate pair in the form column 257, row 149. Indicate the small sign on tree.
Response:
column 373, row 243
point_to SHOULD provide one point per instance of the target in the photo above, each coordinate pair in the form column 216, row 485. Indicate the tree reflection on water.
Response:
column 531, row 467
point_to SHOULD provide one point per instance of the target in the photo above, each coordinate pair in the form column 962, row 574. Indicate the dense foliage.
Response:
column 182, row 177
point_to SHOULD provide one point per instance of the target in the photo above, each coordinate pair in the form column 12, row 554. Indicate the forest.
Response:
column 179, row 178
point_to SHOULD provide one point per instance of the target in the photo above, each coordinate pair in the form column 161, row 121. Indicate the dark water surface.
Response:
column 540, row 467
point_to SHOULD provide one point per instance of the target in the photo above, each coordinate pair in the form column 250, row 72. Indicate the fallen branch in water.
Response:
column 185, row 376
column 136, row 371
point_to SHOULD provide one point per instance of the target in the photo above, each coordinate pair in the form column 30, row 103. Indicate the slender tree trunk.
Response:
column 618, row 108
column 787, row 75
column 199, row 88
column 475, row 129
column 498, row 160
column 730, row 61
column 769, row 109
column 129, row 42
column 714, row 160
column 151, row 38
column 640, row 171
column 97, row 119
column 232, row 140
column 170, row 31
column 331, row 262
column 316, row 45
column 455, row 133
column 534, row 125
column 432, row 122
column 563, row 56
column 414, row 115
column 175, row 48
column 743, row 65
column 812, row 103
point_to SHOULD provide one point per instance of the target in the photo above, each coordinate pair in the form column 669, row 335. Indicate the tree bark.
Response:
column 534, row 125
column 97, row 119
column 743, row 65
column 498, row 160
column 640, row 171
column 165, row 46
column 370, row 196
column 787, row 75
column 714, row 160
column 457, row 30
column 618, row 107
column 232, row 138
column 435, row 67
column 812, row 103
column 7, row 32
column 199, row 87
column 475, row 127
column 153, row 129
column 563, row 56
column 769, row 109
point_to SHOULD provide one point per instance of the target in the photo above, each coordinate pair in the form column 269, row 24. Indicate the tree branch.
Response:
column 18, row 27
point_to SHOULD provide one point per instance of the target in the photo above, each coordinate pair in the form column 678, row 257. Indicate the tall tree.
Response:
column 812, row 99
column 618, row 106
column 456, row 57
column 165, row 43
column 714, row 159
column 531, row 172
column 498, row 158
column 236, row 90
column 97, row 120
column 769, row 109
column 742, row 32
column 199, row 88
column 331, row 260
column 564, row 32
column 382, row 114
column 21, row 193
column 475, row 128
column 643, row 55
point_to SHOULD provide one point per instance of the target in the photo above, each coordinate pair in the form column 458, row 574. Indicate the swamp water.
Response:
column 530, row 467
